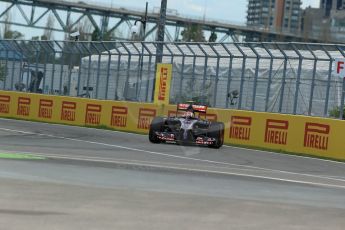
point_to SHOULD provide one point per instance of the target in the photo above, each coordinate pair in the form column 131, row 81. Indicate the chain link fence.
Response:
column 292, row 78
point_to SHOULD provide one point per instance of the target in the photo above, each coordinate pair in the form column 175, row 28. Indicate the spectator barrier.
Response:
column 292, row 133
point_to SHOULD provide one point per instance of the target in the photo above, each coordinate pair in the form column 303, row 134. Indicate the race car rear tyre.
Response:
column 157, row 125
column 216, row 131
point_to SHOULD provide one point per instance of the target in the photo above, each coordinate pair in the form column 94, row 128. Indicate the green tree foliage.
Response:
column 108, row 36
column 213, row 37
column 193, row 33
column 10, row 34
column 335, row 112
column 3, row 71
column 98, row 36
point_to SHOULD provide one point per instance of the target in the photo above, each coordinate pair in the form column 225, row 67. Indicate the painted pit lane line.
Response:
column 195, row 159
column 225, row 146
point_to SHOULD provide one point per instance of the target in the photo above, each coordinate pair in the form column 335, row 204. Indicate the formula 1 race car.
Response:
column 187, row 129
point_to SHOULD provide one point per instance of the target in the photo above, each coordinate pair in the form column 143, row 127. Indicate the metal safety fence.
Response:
column 293, row 78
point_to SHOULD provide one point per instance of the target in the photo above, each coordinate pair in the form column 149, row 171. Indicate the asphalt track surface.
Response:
column 99, row 179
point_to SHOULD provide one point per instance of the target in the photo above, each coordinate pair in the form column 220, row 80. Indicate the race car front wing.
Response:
column 201, row 140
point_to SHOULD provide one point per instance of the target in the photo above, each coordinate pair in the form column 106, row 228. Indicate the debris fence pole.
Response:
column 160, row 39
column 341, row 109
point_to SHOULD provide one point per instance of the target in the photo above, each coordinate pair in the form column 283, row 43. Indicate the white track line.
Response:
column 74, row 126
column 226, row 146
column 118, row 160
column 285, row 155
column 175, row 156
column 167, row 167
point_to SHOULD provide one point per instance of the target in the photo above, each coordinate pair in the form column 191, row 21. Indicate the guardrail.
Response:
column 291, row 78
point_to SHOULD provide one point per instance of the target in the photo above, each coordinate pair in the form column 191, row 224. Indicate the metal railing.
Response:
column 293, row 78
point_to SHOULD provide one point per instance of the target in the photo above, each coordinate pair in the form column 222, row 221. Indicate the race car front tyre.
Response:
column 157, row 125
column 216, row 131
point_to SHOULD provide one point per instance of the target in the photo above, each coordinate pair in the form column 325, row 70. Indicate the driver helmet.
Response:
column 189, row 112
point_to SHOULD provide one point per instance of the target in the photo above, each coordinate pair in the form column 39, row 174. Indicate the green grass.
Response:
column 18, row 156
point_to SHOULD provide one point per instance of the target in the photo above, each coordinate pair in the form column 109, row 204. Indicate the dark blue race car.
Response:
column 187, row 129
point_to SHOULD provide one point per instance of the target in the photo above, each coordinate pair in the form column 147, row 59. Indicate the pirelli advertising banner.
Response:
column 298, row 134
column 126, row 116
column 162, row 84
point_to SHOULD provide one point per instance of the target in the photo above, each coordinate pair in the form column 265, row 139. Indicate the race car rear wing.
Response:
column 196, row 108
